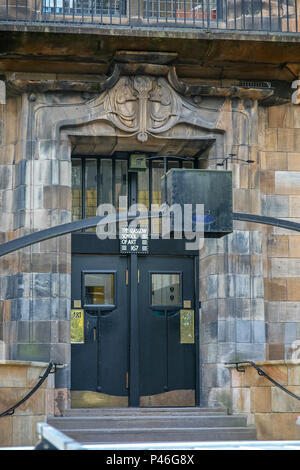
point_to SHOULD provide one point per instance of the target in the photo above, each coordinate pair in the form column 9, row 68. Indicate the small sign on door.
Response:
column 77, row 325
column 187, row 326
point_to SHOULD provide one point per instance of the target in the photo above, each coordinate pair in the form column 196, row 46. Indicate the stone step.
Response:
column 143, row 411
column 116, row 422
column 98, row 436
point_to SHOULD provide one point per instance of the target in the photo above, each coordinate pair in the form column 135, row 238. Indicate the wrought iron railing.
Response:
column 240, row 15
column 12, row 409
column 262, row 374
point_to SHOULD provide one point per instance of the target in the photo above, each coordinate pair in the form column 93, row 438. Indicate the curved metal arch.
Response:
column 70, row 227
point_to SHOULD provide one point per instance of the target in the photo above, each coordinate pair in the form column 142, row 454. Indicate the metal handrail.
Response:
column 263, row 374
column 11, row 410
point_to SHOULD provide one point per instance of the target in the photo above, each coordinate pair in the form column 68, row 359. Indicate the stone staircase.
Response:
column 139, row 425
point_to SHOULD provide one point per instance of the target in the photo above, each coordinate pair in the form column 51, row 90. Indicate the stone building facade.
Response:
column 73, row 93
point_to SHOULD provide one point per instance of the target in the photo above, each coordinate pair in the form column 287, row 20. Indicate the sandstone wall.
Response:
column 269, row 408
column 17, row 378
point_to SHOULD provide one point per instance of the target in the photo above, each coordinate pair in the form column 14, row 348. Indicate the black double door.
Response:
column 137, row 343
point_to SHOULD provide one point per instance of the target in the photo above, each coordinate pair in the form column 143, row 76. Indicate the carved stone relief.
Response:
column 136, row 105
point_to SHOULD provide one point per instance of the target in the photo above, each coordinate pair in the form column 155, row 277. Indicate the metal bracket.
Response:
column 239, row 369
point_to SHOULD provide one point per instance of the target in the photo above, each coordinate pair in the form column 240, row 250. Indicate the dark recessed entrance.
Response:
column 133, row 324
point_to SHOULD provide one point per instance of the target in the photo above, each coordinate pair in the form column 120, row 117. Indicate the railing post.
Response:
column 136, row 12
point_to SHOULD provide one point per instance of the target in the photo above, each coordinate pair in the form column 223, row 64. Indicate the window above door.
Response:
column 102, row 180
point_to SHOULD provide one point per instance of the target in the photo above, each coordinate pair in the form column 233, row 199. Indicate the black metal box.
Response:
column 212, row 188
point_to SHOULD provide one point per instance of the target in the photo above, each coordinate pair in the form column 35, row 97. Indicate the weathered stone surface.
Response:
column 260, row 399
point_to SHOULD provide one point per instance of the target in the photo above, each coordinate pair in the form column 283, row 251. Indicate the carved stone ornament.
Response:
column 145, row 105
column 139, row 105
column 142, row 105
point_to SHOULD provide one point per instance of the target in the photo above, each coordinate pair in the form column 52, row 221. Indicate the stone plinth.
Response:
column 17, row 379
column 269, row 408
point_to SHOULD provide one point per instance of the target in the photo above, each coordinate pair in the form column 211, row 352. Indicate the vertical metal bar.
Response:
column 252, row 14
column 296, row 16
column 203, row 13
column 278, row 13
column 147, row 10
column 234, row 4
column 113, row 181
column 54, row 10
column 175, row 10
column 197, row 329
column 208, row 13
column 243, row 15
column 287, row 15
column 16, row 9
column 98, row 182
column 83, row 187
column 134, row 391
column 261, row 15
column 92, row 14
column 166, row 386
column 99, row 355
column 150, row 192
column 270, row 17
column 226, row 15
column 63, row 6
column 184, row 11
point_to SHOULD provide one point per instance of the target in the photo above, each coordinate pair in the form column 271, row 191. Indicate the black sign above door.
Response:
column 134, row 240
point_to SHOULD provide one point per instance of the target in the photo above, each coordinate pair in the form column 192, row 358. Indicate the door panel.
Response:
column 100, row 364
column 167, row 366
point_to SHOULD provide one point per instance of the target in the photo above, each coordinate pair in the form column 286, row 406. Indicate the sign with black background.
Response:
column 134, row 240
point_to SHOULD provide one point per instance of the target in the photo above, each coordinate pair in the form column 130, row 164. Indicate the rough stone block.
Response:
column 274, row 205
column 275, row 289
column 243, row 331
column 260, row 399
column 293, row 289
column 282, row 402
column 275, row 332
column 293, row 161
column 267, row 181
column 281, row 116
column 285, row 140
column 259, row 331
column 6, row 432
column 273, row 161
column 270, row 139
column 250, row 351
column 287, row 182
column 294, row 246
column 278, row 246
column 241, row 400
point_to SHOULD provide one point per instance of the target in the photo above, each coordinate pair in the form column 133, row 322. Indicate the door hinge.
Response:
column 126, row 379
column 126, row 277
column 138, row 276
